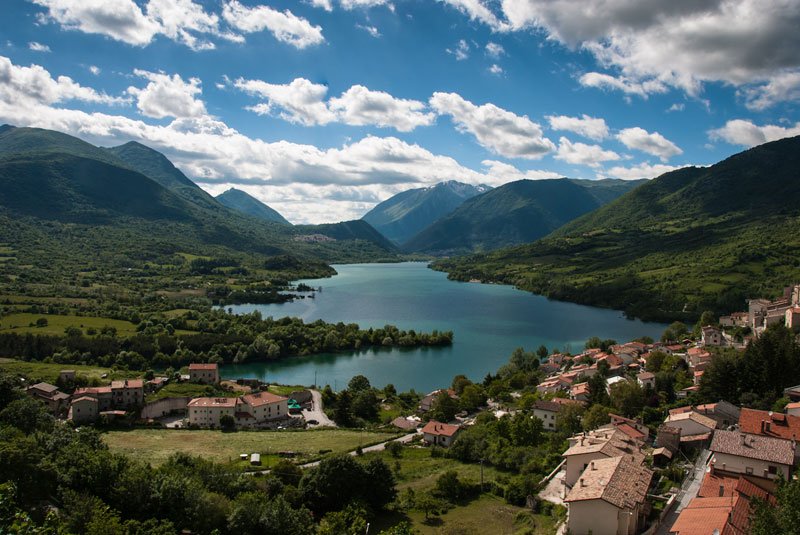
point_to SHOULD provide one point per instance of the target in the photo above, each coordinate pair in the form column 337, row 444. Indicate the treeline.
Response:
column 220, row 337
column 55, row 479
column 756, row 377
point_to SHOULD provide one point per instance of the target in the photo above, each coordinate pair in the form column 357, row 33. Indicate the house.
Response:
column 611, row 381
column 440, row 434
column 204, row 373
column 633, row 428
column 793, row 409
column 646, row 379
column 83, row 410
column 686, row 392
column 668, row 437
column 127, row 394
column 724, row 413
column 770, row 424
column 792, row 317
column 792, row 392
column 405, row 424
column 427, row 402
column 580, row 392
column 207, row 412
column 755, row 455
column 50, row 395
column 548, row 386
column 598, row 444
column 695, row 428
column 712, row 336
column 264, row 406
column 547, row 411
column 609, row 497
column 101, row 393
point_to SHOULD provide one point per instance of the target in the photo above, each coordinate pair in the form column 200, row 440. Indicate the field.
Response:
column 155, row 445
column 194, row 390
column 22, row 323
column 49, row 372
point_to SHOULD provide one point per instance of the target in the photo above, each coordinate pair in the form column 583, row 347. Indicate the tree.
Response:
column 449, row 487
column 460, row 382
column 783, row 516
column 627, row 398
column 675, row 332
column 350, row 521
column 568, row 420
column 597, row 390
column 524, row 361
column 365, row 405
column 542, row 352
column 394, row 448
column 526, row 430
column 341, row 414
column 472, row 397
column 428, row 504
column 358, row 383
column 596, row 416
column 227, row 423
column 444, row 408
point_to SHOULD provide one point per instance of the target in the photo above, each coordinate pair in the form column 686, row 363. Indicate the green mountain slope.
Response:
column 402, row 216
column 242, row 202
column 690, row 240
column 55, row 184
column 346, row 230
column 517, row 212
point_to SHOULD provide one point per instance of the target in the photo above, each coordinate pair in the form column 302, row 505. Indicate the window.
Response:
column 748, row 470
column 773, row 470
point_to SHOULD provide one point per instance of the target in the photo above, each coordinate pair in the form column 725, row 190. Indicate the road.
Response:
column 316, row 412
column 689, row 489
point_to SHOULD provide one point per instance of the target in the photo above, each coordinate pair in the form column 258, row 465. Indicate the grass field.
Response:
column 49, row 372
column 194, row 390
column 21, row 323
column 155, row 445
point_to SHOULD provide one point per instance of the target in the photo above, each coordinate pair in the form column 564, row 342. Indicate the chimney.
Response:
column 763, row 425
column 768, row 426
column 592, row 465
column 583, row 483
column 743, row 439
column 721, row 491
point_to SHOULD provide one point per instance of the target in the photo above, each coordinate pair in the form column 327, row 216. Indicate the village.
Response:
column 697, row 472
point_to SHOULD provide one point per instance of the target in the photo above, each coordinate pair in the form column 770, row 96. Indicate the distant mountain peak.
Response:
column 243, row 202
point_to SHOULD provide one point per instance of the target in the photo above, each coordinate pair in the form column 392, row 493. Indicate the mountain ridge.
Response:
column 239, row 200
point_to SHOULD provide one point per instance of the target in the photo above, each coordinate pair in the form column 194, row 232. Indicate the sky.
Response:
column 323, row 108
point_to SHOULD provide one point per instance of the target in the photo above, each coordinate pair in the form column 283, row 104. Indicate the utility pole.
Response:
column 315, row 378
column 481, row 476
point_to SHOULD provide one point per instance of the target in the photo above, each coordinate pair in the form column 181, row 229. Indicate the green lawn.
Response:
column 285, row 390
column 155, row 445
column 49, row 372
column 194, row 390
column 21, row 323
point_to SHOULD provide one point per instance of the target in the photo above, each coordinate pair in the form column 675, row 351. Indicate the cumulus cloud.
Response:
column 495, row 50
column 682, row 44
column 745, row 133
column 586, row 126
column 476, row 10
column 496, row 69
column 644, row 170
column 324, row 4
column 94, row 69
column 461, row 50
column 678, row 106
column 502, row 172
column 655, row 144
column 38, row 47
column 361, row 106
column 780, row 88
column 496, row 129
column 372, row 30
column 183, row 21
column 583, row 154
column 285, row 26
column 168, row 96
column 25, row 86
column 301, row 101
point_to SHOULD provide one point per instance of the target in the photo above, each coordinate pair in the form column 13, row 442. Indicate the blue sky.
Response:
column 322, row 108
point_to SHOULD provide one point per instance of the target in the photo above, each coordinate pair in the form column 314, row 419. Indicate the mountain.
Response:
column 347, row 230
column 690, row 240
column 131, row 201
column 240, row 201
column 517, row 212
column 402, row 216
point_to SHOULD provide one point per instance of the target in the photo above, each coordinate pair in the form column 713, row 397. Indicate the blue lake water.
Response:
column 488, row 321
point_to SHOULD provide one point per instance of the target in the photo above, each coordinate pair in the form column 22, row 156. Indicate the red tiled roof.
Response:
column 759, row 447
column 630, row 431
column 94, row 390
column 780, row 425
column 438, row 428
column 680, row 410
column 127, row 383
column 262, row 398
column 203, row 366
column 214, row 402
column 713, row 481
column 702, row 516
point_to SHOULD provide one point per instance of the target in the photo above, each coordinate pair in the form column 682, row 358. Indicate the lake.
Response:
column 488, row 321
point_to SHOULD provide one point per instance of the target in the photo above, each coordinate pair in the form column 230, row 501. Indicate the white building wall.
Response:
column 742, row 465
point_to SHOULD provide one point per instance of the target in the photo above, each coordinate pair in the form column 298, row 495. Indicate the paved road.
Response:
column 316, row 412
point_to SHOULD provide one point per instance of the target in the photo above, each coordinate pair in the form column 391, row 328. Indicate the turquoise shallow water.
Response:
column 488, row 322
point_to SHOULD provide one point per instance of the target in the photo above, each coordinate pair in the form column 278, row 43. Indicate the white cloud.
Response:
column 372, row 30
column 285, row 26
column 496, row 69
column 122, row 20
column 94, row 69
column 643, row 170
column 501, row 173
column 461, row 50
column 168, row 96
column 355, row 4
column 583, row 154
column 586, row 126
column 183, row 21
column 301, row 101
column 655, row 144
column 495, row 50
column 682, row 44
column 621, row 83
column 477, row 10
column 25, row 86
column 742, row 132
column 499, row 130
column 38, row 47
column 781, row 88
column 361, row 106
column 324, row 4
column 678, row 106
